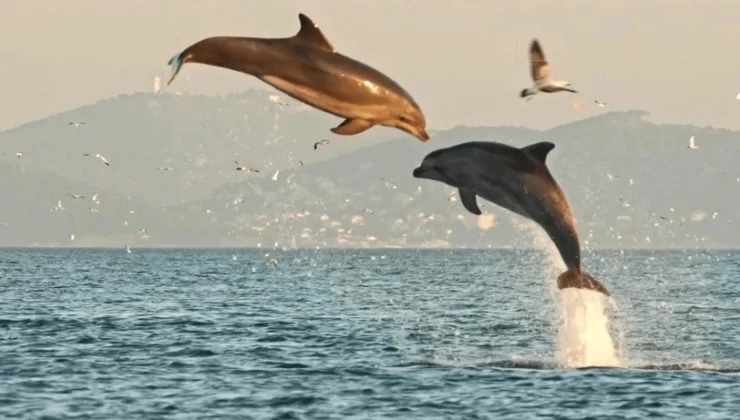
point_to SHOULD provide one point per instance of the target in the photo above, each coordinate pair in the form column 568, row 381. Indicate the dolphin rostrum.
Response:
column 308, row 68
column 517, row 180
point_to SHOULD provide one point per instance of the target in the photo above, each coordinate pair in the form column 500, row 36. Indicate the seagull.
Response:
column 453, row 196
column 95, row 198
column 99, row 156
column 272, row 261
column 165, row 168
column 738, row 96
column 275, row 177
column 19, row 155
column 301, row 162
column 611, row 176
column 276, row 100
column 244, row 168
column 601, row 104
column 76, row 124
column 626, row 204
column 692, row 144
column 541, row 75
column 75, row 196
column 368, row 211
column 389, row 184
column 320, row 143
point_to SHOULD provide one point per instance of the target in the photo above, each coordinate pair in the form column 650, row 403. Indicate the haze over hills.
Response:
column 339, row 198
column 197, row 136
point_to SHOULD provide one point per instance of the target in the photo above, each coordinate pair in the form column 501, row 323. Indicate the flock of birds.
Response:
column 312, row 42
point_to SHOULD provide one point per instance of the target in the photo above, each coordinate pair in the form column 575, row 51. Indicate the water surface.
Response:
column 412, row 334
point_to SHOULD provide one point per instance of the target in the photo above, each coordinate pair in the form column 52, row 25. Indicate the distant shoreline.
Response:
column 280, row 249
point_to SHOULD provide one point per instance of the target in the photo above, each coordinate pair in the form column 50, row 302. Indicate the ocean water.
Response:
column 366, row 334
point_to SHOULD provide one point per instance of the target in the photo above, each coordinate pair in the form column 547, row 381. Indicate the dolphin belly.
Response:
column 506, row 198
column 342, row 105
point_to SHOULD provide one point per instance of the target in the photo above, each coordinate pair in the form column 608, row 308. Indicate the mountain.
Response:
column 198, row 136
column 685, row 186
column 354, row 192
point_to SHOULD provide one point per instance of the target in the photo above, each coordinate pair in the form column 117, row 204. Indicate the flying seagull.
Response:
column 244, row 168
column 541, row 75
column 165, row 168
column 76, row 124
column 75, row 196
column 389, row 184
column 320, row 143
column 99, row 156
column 692, row 144
column 601, row 104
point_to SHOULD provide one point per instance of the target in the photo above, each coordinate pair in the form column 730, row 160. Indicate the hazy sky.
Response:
column 464, row 61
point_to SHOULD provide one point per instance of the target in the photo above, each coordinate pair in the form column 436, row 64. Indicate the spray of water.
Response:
column 582, row 323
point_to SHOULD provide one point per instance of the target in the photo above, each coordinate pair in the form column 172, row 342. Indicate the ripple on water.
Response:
column 195, row 334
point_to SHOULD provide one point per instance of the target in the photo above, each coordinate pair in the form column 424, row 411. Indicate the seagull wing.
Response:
column 540, row 67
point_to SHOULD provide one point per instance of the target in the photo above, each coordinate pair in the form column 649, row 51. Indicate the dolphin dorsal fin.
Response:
column 311, row 34
column 539, row 151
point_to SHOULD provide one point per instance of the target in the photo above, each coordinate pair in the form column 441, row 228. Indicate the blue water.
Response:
column 402, row 334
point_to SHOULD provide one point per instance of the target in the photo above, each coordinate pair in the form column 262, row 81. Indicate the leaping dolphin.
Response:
column 517, row 180
column 308, row 68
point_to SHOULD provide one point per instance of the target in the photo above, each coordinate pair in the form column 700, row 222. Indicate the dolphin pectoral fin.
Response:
column 468, row 200
column 311, row 34
column 539, row 151
column 352, row 126
column 576, row 279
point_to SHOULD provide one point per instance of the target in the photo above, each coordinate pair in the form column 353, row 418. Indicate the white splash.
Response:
column 583, row 331
column 583, row 337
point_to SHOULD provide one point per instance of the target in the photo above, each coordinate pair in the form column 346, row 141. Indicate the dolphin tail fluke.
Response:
column 175, row 63
column 577, row 279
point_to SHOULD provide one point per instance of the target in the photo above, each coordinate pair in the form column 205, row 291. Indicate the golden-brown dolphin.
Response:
column 308, row 68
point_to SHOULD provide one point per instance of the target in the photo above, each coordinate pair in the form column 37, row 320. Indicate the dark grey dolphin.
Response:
column 517, row 180
column 308, row 68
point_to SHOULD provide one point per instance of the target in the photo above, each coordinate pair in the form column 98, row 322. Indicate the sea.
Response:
column 366, row 334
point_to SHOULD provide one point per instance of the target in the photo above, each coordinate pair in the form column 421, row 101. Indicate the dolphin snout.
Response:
column 421, row 170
